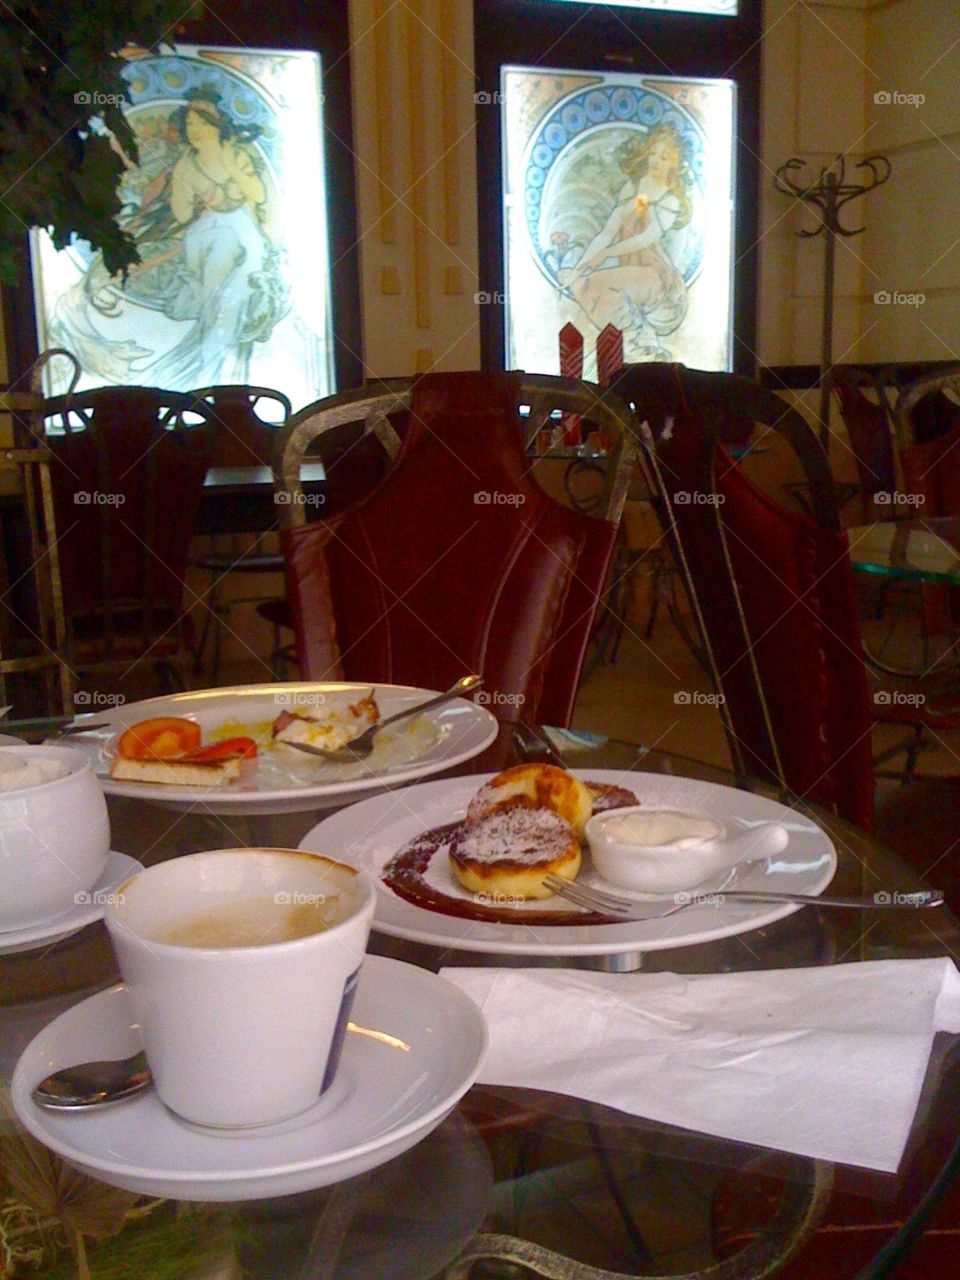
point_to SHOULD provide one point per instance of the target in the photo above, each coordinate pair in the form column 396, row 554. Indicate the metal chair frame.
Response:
column 544, row 393
column 906, row 599
column 706, row 392
column 911, row 395
column 34, row 465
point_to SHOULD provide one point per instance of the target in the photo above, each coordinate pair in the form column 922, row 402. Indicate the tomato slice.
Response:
column 245, row 747
column 162, row 738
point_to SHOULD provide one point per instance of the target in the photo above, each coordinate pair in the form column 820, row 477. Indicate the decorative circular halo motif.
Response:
column 168, row 80
column 614, row 207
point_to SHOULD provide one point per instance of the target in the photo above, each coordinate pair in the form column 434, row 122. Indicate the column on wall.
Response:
column 415, row 138
column 815, row 82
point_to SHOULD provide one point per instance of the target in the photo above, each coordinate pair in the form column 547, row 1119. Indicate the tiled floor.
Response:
column 657, row 694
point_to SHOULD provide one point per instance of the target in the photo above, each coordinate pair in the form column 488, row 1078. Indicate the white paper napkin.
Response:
column 825, row 1062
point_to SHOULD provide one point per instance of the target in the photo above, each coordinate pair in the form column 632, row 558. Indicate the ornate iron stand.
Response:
column 830, row 193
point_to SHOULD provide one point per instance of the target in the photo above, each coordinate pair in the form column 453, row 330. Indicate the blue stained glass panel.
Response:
column 227, row 205
column 619, row 209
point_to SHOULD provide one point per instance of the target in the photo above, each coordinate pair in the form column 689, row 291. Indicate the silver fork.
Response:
column 630, row 909
column 362, row 745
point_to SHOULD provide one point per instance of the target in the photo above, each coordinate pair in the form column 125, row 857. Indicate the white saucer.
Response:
column 392, row 1089
column 119, row 868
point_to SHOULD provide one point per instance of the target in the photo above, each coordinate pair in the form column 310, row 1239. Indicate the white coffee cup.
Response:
column 240, row 1035
column 54, row 836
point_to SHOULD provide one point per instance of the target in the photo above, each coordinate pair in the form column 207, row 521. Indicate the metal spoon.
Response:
column 361, row 746
column 94, row 1084
column 98, row 1084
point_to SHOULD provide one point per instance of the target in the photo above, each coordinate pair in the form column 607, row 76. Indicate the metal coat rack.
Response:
column 829, row 193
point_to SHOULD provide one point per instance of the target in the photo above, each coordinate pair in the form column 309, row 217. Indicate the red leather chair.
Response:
column 933, row 470
column 773, row 595
column 870, row 430
column 128, row 470
column 772, row 591
column 457, row 560
column 931, row 467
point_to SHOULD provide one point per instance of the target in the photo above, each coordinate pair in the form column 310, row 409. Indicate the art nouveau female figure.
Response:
column 625, row 275
column 226, row 280
column 208, row 284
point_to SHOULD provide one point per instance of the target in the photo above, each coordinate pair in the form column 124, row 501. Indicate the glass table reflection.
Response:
column 920, row 550
column 517, row 1183
column 909, row 619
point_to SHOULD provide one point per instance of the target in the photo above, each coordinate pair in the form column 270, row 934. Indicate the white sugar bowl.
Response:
column 54, row 832
column 664, row 851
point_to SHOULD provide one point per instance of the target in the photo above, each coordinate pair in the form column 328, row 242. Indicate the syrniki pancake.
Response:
column 535, row 786
column 506, row 854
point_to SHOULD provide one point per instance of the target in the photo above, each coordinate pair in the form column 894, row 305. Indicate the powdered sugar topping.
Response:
column 518, row 834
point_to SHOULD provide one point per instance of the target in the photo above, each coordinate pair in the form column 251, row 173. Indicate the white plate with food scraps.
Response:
column 287, row 781
column 372, row 833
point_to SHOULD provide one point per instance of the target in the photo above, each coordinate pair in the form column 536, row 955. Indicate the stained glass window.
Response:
column 618, row 206
column 227, row 206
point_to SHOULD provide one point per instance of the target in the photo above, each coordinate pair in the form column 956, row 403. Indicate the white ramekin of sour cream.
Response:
column 667, row 851
column 54, row 832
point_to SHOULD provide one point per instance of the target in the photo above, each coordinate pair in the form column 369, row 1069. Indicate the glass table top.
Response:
column 922, row 550
column 518, row 1183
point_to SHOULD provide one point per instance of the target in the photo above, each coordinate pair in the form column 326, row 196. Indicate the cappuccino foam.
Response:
column 255, row 922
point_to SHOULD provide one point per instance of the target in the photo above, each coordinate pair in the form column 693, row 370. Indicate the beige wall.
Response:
column 414, row 130
column 823, row 64
column 914, row 234
column 814, row 107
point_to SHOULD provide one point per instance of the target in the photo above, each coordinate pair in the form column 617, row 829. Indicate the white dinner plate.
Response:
column 370, row 833
column 119, row 868
column 416, row 748
column 414, row 1047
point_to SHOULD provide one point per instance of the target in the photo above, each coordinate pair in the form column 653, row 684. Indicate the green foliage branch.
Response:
column 59, row 64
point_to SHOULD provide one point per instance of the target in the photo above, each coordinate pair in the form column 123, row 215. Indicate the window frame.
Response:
column 599, row 38
column 322, row 29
